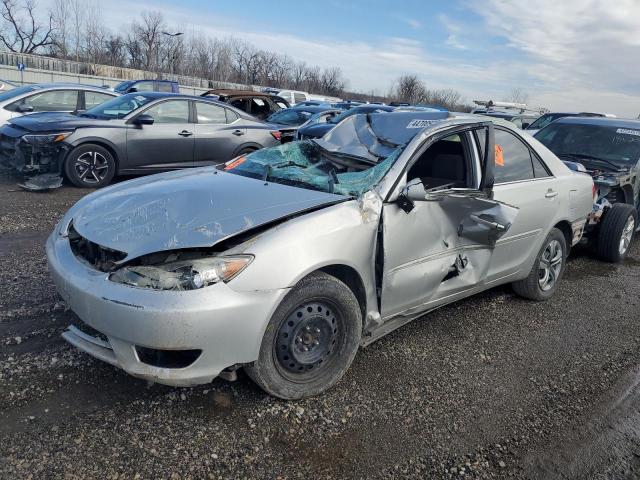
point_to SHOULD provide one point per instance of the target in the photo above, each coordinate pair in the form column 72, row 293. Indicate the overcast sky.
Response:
column 576, row 55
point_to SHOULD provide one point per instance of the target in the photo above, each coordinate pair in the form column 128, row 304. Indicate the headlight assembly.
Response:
column 182, row 275
column 47, row 138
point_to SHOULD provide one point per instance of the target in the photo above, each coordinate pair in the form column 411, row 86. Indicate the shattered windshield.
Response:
column 306, row 164
column 349, row 160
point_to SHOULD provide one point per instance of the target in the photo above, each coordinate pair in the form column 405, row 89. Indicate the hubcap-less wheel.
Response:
column 550, row 265
column 307, row 337
column 627, row 235
column 91, row 167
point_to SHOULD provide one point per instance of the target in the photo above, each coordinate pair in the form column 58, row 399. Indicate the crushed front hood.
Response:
column 186, row 209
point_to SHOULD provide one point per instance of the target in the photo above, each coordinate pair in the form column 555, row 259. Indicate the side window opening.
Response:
column 512, row 160
column 445, row 163
column 172, row 111
column 260, row 108
column 539, row 169
column 231, row 115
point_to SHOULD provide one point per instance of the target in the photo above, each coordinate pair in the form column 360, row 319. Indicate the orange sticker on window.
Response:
column 499, row 156
column 234, row 163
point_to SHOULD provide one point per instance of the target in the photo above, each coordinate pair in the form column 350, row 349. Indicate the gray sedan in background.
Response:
column 136, row 133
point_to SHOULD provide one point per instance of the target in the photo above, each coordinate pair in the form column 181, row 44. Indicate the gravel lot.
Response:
column 491, row 387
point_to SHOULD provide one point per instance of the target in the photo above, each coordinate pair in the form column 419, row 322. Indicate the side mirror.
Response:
column 415, row 192
column 24, row 108
column 143, row 119
column 525, row 125
column 132, row 90
column 411, row 193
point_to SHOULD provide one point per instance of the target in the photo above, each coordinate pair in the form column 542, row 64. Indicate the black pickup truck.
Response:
column 608, row 149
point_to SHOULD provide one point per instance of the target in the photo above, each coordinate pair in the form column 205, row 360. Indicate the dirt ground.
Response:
column 490, row 387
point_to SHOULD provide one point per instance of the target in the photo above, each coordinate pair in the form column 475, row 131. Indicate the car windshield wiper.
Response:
column 585, row 156
column 289, row 163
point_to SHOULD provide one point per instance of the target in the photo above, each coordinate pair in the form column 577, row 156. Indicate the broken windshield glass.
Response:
column 308, row 165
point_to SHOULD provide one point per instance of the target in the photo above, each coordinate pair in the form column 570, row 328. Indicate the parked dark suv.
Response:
column 258, row 104
column 608, row 149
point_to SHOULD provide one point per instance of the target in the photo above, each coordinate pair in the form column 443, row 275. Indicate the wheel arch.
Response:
column 244, row 146
column 628, row 194
column 352, row 279
column 565, row 227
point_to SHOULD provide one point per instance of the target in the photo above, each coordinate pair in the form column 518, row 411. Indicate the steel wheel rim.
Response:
column 550, row 265
column 308, row 338
column 91, row 167
column 627, row 235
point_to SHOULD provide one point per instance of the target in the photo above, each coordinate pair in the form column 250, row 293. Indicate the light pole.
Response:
column 171, row 52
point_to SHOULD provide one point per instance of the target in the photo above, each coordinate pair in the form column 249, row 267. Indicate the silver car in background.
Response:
column 50, row 97
column 287, row 260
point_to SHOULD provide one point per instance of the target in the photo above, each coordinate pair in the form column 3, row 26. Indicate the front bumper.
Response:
column 24, row 157
column 225, row 324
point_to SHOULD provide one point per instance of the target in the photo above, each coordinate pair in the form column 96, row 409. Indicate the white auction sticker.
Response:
column 421, row 123
column 626, row 131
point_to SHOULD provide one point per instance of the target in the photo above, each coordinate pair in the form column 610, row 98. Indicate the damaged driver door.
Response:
column 438, row 235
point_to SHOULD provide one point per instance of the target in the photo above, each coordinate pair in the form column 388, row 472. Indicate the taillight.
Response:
column 594, row 192
column 276, row 134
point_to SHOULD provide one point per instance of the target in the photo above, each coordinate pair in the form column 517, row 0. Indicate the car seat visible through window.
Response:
column 442, row 163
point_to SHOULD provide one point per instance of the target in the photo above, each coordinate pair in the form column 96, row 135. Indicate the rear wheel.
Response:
column 616, row 232
column 547, row 270
column 310, row 341
column 90, row 166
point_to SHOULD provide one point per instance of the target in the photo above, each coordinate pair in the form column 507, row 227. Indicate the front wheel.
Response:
column 616, row 232
column 310, row 341
column 547, row 270
column 90, row 166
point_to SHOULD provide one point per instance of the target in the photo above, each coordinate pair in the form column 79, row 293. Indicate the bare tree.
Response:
column 332, row 81
column 410, row 89
column 61, row 13
column 20, row 30
column 518, row 95
column 149, row 35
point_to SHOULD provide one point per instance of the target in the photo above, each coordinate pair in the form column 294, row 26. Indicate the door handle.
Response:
column 237, row 133
column 487, row 223
column 551, row 194
column 185, row 133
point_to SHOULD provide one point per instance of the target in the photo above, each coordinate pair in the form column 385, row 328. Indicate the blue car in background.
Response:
column 317, row 130
column 290, row 119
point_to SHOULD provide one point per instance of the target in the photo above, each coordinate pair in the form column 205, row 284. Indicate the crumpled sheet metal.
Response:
column 42, row 183
column 191, row 209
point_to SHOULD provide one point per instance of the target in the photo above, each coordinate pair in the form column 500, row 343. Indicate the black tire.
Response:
column 613, row 238
column 284, row 369
column 90, row 166
column 534, row 287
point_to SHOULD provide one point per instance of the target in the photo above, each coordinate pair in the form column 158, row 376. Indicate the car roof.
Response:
column 236, row 93
column 56, row 86
column 599, row 121
column 314, row 108
column 371, row 107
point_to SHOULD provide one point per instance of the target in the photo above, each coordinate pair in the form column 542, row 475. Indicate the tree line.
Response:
column 74, row 30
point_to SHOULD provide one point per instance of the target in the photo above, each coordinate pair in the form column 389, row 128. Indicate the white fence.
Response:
column 41, row 69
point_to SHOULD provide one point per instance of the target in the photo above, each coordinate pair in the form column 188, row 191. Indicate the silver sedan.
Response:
column 287, row 260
